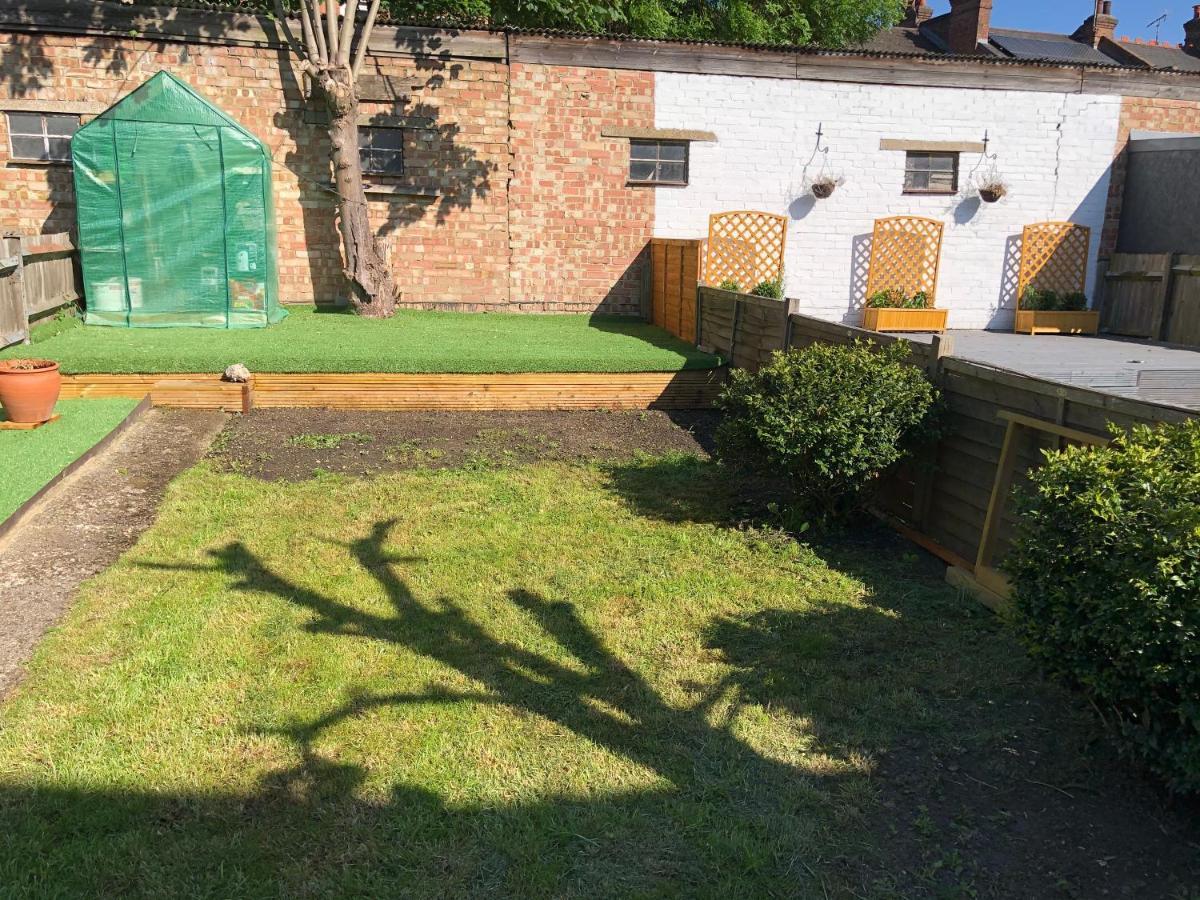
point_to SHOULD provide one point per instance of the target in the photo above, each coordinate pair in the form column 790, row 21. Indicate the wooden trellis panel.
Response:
column 906, row 254
column 746, row 247
column 1054, row 257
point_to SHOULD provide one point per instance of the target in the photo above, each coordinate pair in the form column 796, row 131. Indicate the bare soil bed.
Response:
column 291, row 444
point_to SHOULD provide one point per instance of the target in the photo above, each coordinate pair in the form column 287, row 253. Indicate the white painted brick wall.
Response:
column 1055, row 154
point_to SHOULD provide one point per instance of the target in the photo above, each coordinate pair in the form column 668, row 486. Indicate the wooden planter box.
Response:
column 905, row 319
column 1047, row 322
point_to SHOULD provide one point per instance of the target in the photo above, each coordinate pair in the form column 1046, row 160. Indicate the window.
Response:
column 44, row 137
column 930, row 173
column 658, row 162
column 381, row 150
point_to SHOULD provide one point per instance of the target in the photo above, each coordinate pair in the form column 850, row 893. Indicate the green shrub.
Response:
column 1051, row 301
column 828, row 419
column 1106, row 574
column 894, row 298
column 729, row 285
column 772, row 290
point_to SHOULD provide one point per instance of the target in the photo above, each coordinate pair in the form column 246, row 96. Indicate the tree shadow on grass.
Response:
column 719, row 816
column 998, row 777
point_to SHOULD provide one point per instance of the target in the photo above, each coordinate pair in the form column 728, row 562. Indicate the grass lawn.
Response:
column 31, row 458
column 412, row 341
column 542, row 681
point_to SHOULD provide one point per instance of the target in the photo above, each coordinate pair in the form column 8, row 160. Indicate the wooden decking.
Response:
column 696, row 389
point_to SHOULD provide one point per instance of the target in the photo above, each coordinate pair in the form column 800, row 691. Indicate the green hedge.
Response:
column 829, row 420
column 1106, row 571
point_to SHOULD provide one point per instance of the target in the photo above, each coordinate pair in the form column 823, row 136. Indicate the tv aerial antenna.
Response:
column 1157, row 25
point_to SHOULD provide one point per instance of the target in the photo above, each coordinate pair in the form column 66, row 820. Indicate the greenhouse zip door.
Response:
column 176, row 223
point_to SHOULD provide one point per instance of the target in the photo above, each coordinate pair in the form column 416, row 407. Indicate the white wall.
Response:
column 1055, row 153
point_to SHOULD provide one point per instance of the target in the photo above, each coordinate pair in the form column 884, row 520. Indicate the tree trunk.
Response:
column 372, row 288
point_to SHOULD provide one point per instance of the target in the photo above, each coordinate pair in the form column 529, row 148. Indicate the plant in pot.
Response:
column 29, row 389
column 1051, row 312
column 823, row 186
column 894, row 310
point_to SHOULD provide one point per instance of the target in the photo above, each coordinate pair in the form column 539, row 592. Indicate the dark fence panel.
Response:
column 744, row 329
column 944, row 496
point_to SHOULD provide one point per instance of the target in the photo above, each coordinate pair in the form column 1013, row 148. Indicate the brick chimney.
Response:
column 1192, row 31
column 917, row 14
column 970, row 22
column 1098, row 26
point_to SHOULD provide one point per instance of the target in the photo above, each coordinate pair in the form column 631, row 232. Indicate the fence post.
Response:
column 733, row 330
column 792, row 306
column 10, row 246
column 923, row 481
column 1162, row 324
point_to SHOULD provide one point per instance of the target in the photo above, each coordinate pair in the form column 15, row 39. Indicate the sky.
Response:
column 1064, row 16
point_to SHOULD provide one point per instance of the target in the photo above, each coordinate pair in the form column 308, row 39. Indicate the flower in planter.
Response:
column 895, row 298
column 1035, row 300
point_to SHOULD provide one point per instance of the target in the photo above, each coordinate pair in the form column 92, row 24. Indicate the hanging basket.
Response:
column 823, row 190
column 992, row 193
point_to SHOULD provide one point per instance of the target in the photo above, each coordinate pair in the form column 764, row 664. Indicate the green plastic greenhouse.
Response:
column 176, row 225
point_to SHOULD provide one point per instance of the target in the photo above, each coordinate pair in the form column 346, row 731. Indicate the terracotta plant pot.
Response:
column 992, row 195
column 823, row 190
column 29, row 389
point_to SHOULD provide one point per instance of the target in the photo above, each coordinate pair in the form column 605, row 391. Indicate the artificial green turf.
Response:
column 29, row 459
column 412, row 341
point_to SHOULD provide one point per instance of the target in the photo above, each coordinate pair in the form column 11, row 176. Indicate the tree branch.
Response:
column 313, row 8
column 286, row 28
column 306, row 27
column 363, row 38
column 331, row 28
column 347, row 36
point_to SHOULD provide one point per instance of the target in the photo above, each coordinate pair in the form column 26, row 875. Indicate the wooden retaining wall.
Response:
column 674, row 276
column 743, row 329
column 696, row 389
column 942, row 498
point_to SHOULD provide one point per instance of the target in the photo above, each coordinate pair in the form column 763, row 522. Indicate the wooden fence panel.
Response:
column 1135, row 294
column 37, row 274
column 674, row 275
column 1183, row 326
column 945, row 507
column 745, row 330
column 50, row 273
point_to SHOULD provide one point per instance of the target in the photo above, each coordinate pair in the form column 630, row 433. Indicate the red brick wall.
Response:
column 565, row 235
column 1141, row 114
column 579, row 234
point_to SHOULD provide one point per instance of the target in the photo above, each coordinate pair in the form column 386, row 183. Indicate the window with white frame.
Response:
column 41, row 137
column 658, row 162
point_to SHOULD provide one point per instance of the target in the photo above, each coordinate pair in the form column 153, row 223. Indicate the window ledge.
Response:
column 660, row 134
column 919, row 193
column 657, row 184
column 932, row 146
column 385, row 189
column 399, row 190
column 23, row 161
